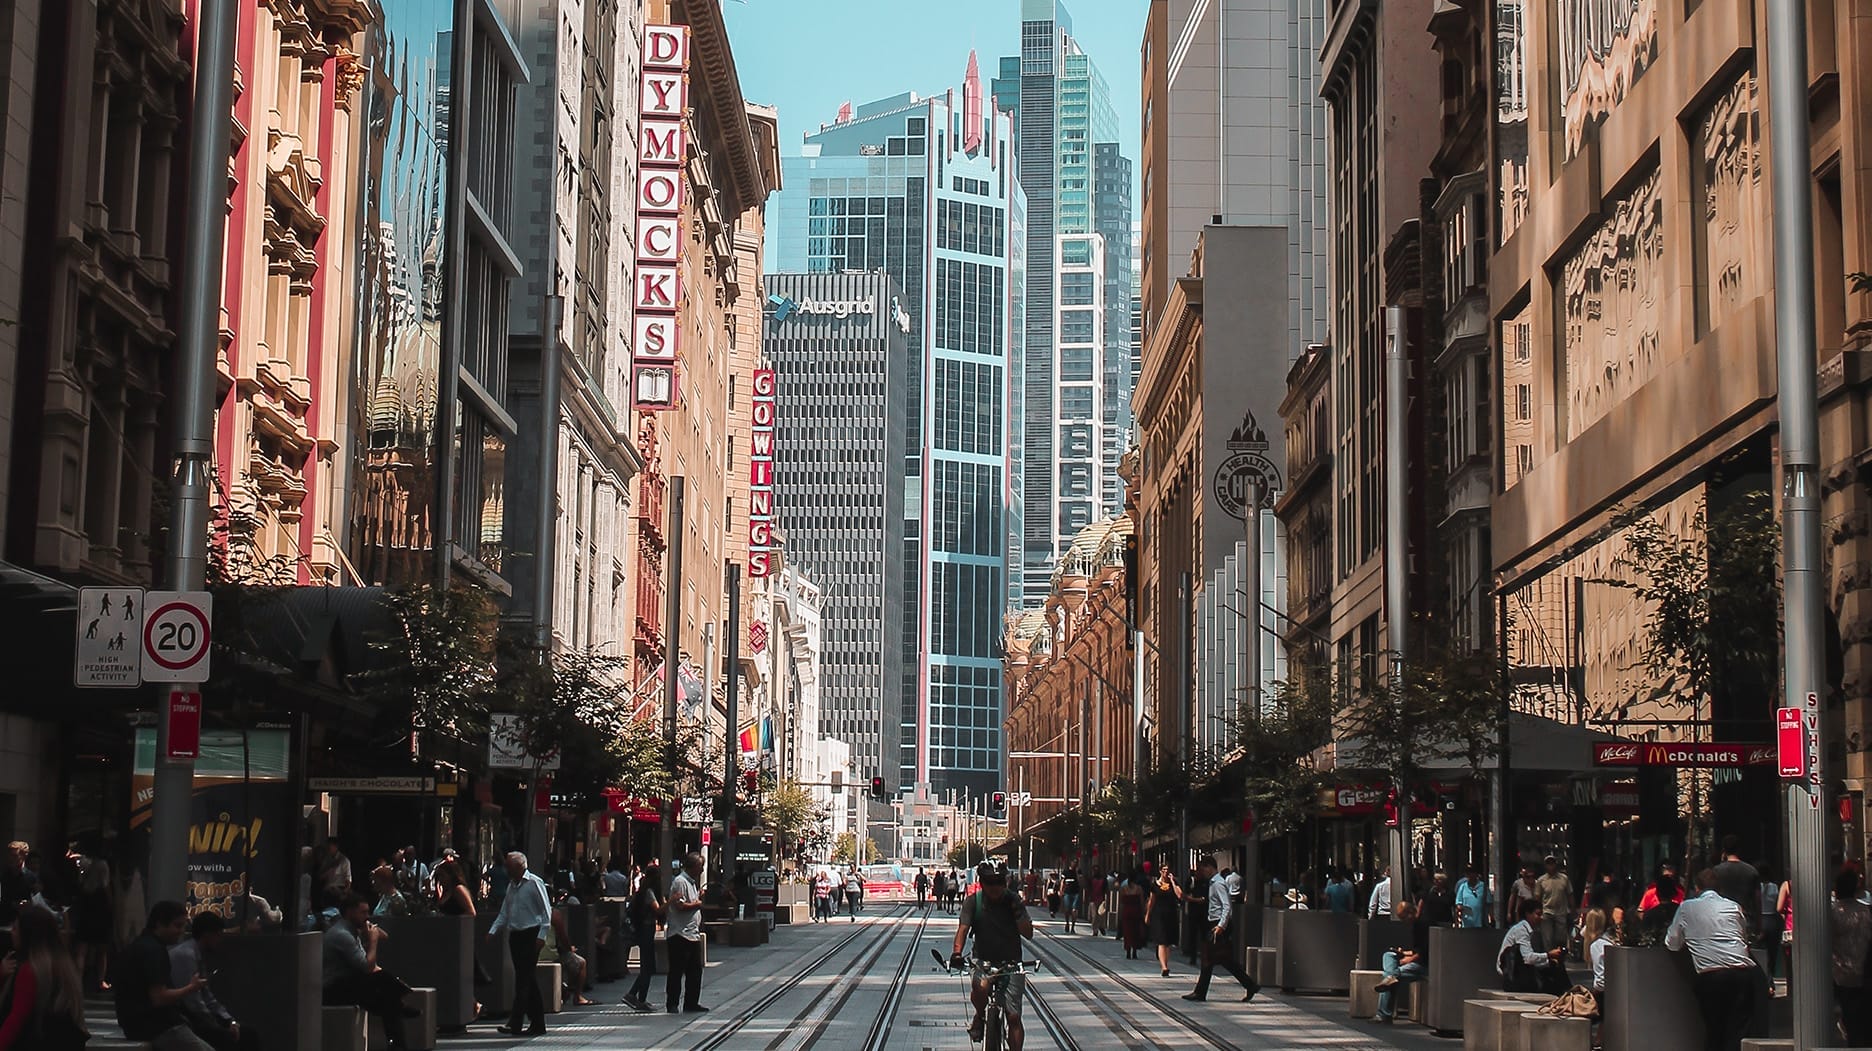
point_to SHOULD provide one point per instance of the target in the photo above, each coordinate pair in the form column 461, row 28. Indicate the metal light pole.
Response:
column 731, row 765
column 1397, row 555
column 1789, row 158
column 1251, row 676
column 193, row 419
column 672, row 649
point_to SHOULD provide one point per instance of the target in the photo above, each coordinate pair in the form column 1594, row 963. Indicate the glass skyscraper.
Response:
column 924, row 189
column 1076, row 389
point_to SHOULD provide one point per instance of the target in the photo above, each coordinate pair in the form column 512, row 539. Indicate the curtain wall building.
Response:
column 924, row 189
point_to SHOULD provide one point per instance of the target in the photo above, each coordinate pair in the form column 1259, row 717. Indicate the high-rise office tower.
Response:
column 1076, row 392
column 839, row 347
column 924, row 189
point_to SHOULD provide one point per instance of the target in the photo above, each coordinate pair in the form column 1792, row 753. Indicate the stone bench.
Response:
column 1362, row 1000
column 343, row 1029
column 746, row 934
column 419, row 1033
column 550, row 977
column 1264, row 965
column 1537, row 999
column 436, row 952
column 1541, row 1032
column 1490, row 1025
column 716, row 932
column 117, row 1043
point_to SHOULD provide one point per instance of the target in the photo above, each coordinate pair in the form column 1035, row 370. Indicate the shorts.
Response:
column 1013, row 988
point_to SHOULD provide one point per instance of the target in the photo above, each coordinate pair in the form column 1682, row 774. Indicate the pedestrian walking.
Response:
column 854, row 893
column 350, row 972
column 1556, row 898
column 90, row 916
column 837, row 879
column 1727, row 983
column 684, row 990
column 939, row 889
column 525, row 916
column 1338, row 892
column 1661, row 902
column 208, row 1017
column 1851, row 926
column 1131, row 902
column 1098, row 899
column 40, row 988
column 1475, row 903
column 922, row 888
column 149, row 1008
column 1053, row 895
column 1768, row 896
column 822, row 898
column 1524, row 889
column 1070, row 896
column 1738, row 881
column 646, row 911
column 1218, row 948
column 1160, row 915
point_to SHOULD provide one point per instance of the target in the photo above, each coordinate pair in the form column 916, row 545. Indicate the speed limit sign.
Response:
column 176, row 636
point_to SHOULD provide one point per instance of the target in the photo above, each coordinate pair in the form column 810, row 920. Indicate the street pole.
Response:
column 197, row 344
column 731, row 766
column 672, row 649
column 1185, row 698
column 1137, row 707
column 1397, row 554
column 1800, row 506
column 1251, row 678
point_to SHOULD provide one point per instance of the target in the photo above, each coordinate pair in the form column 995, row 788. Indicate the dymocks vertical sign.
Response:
column 662, row 149
column 761, row 545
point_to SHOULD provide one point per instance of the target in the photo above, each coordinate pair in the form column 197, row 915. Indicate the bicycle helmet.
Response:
column 992, row 872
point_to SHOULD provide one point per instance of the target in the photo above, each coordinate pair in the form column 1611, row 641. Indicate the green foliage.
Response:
column 438, row 659
column 790, row 810
column 1446, row 705
column 844, row 848
column 1281, row 775
column 967, row 854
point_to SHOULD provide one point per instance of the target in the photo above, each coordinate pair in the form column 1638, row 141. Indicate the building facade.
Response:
column 839, row 349
column 924, row 189
column 1075, row 396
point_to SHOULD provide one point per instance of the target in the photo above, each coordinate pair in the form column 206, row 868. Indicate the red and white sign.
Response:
column 761, row 543
column 183, row 716
column 176, row 636
column 1699, row 754
column 1790, row 744
column 662, row 150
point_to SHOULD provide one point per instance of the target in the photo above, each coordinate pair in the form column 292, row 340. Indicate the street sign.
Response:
column 1020, row 799
column 507, row 746
column 109, row 625
column 176, row 636
column 1790, row 744
column 183, row 711
column 696, row 811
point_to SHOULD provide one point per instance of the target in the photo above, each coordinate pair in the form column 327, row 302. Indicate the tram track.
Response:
column 878, row 1039
column 1209, row 1037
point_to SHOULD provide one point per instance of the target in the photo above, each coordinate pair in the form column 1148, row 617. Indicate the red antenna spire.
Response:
column 844, row 113
column 972, row 106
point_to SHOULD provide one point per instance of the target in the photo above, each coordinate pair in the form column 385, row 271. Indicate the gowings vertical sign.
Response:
column 761, row 544
column 662, row 150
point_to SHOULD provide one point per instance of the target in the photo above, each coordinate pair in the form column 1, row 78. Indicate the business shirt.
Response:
column 525, row 908
column 1713, row 929
column 1521, row 936
column 1380, row 899
column 185, row 962
column 1220, row 904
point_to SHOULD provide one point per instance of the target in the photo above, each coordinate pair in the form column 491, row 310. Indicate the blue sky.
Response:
column 807, row 56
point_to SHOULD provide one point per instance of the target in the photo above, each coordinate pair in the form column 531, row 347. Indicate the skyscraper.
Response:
column 924, row 189
column 838, row 345
column 1076, row 396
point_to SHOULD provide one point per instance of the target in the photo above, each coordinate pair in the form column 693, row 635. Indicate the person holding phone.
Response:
column 352, row 976
column 1160, row 915
column 208, row 1017
column 149, row 1007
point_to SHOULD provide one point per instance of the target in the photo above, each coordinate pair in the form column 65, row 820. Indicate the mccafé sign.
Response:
column 662, row 149
column 1684, row 753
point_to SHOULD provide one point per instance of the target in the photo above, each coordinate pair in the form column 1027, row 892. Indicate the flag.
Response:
column 766, row 733
column 748, row 742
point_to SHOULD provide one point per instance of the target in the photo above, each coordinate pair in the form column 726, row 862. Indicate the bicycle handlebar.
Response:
column 992, row 970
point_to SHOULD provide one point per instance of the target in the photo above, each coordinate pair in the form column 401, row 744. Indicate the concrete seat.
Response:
column 716, row 932
column 343, row 1029
column 1537, row 999
column 746, row 934
column 551, row 986
column 1541, row 1032
column 419, row 1033
column 1363, row 999
column 1413, row 1002
column 117, row 1043
column 1264, row 965
column 1488, row 1025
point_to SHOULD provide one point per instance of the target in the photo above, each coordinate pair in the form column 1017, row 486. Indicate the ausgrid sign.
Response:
column 842, row 308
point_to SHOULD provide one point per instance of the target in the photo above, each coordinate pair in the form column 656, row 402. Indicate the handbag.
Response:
column 1577, row 1002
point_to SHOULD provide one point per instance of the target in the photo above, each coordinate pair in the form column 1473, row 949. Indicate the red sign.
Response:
column 184, row 717
column 761, row 545
column 1790, row 744
column 1699, row 754
column 1620, row 798
column 542, row 796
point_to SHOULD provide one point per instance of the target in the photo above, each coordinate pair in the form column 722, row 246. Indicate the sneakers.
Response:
column 1389, row 981
column 978, row 1028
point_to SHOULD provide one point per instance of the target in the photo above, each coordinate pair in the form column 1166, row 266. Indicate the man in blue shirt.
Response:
column 1338, row 892
column 525, row 914
column 1475, row 906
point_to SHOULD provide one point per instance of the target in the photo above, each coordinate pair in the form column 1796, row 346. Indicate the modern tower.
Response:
column 839, row 345
column 1076, row 396
column 924, row 189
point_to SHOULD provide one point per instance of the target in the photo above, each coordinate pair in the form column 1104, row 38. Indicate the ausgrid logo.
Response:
column 783, row 307
column 839, row 308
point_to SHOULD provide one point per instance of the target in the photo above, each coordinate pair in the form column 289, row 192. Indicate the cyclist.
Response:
column 999, row 921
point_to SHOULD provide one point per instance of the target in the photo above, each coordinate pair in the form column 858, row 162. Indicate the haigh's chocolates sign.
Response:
column 1699, row 754
column 662, row 150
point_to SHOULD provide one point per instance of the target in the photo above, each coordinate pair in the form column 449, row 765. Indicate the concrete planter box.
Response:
column 1317, row 950
column 1462, row 963
column 1271, row 928
column 497, row 997
column 1377, row 937
column 609, row 963
column 1649, row 1004
column 272, row 982
column 435, row 952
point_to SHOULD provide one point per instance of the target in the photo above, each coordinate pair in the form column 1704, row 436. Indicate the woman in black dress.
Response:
column 1160, row 915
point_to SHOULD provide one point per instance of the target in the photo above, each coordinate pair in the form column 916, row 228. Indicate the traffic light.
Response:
column 877, row 788
column 838, row 781
column 997, row 801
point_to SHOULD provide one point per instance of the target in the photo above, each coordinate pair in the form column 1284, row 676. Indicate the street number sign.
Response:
column 108, row 651
column 176, row 636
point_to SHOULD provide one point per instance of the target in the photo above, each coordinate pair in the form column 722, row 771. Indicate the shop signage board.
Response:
column 1790, row 744
column 1693, row 754
column 696, row 811
column 392, row 785
column 761, row 542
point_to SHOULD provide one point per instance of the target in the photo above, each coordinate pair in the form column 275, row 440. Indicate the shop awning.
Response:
column 1536, row 743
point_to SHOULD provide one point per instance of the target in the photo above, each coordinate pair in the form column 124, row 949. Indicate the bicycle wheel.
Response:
column 991, row 1033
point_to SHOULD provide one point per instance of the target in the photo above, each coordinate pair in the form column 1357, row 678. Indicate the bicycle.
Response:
column 994, row 1014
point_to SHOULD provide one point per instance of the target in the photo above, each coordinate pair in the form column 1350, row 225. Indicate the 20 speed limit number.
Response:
column 176, row 636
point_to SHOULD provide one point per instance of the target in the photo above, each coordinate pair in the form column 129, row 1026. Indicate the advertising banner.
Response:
column 240, row 817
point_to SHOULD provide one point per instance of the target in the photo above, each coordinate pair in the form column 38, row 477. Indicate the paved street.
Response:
column 871, row 984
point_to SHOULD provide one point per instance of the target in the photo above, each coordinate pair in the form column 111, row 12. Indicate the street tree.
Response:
column 791, row 812
column 436, row 661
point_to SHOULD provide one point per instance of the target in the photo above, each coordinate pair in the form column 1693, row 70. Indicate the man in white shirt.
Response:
column 1526, row 967
column 1380, row 896
column 525, row 915
column 1727, row 982
column 685, row 937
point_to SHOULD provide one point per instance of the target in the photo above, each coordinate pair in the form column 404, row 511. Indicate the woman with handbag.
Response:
column 42, row 1002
